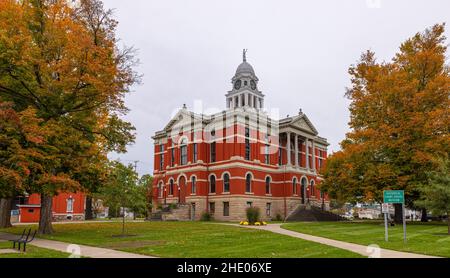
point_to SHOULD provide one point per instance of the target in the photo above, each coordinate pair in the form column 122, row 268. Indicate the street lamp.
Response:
column 307, row 194
column 165, row 195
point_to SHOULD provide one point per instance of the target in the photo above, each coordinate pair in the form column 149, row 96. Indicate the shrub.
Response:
column 252, row 214
column 172, row 206
column 278, row 217
column 206, row 216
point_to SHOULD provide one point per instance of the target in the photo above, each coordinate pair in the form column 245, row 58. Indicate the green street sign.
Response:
column 394, row 196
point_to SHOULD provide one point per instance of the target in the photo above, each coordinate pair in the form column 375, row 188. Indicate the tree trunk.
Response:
column 45, row 219
column 5, row 213
column 88, row 215
column 424, row 217
column 398, row 217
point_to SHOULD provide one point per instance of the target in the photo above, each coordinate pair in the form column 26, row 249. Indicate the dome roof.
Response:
column 245, row 67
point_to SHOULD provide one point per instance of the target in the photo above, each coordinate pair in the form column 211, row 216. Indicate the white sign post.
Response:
column 396, row 197
column 385, row 211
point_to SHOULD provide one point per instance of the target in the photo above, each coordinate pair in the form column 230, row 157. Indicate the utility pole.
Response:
column 135, row 165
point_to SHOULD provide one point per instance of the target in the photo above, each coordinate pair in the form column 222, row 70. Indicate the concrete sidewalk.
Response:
column 356, row 248
column 77, row 249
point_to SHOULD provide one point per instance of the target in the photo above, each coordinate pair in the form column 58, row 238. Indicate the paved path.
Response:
column 356, row 248
column 78, row 222
column 85, row 251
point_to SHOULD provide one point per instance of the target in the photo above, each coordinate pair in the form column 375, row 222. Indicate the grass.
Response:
column 32, row 252
column 191, row 240
column 429, row 239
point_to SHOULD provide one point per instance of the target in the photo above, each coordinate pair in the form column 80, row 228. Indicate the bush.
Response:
column 173, row 206
column 206, row 216
column 278, row 217
column 252, row 214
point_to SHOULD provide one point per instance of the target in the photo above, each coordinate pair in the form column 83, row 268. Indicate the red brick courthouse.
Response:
column 240, row 157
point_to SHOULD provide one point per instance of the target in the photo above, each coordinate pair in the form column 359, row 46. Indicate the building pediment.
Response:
column 302, row 122
column 183, row 119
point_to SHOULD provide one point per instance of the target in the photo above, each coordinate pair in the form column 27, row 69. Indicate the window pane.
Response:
column 226, row 208
column 226, row 183
column 248, row 183
column 212, row 184
column 194, row 185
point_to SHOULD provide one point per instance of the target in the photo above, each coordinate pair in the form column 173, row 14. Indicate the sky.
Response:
column 301, row 51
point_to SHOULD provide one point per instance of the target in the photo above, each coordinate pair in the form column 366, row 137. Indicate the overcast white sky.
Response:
column 300, row 50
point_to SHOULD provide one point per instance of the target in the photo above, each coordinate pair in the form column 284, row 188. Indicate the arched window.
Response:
column 304, row 184
column 160, row 190
column 212, row 184
column 294, row 186
column 171, row 187
column 226, row 182
column 248, row 183
column 183, row 151
column 193, row 185
column 268, row 185
column 312, row 188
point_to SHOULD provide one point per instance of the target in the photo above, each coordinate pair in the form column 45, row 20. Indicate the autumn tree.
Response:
column 62, row 60
column 20, row 141
column 399, row 120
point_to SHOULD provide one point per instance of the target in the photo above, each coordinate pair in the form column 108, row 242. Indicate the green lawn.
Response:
column 191, row 239
column 32, row 252
column 429, row 239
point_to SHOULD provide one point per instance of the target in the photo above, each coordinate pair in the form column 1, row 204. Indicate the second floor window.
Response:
column 195, row 152
column 183, row 152
column 172, row 157
column 226, row 183
column 212, row 184
column 161, row 157
column 213, row 151
column 193, row 185
column 161, row 161
column 248, row 183
column 267, row 185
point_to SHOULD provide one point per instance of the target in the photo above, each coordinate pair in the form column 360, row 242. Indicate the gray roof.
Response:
column 245, row 67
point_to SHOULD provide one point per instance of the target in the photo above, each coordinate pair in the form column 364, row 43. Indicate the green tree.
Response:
column 122, row 191
column 146, row 183
column 436, row 194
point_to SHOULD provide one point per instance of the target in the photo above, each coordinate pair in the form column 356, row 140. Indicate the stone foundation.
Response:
column 195, row 206
column 68, row 217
